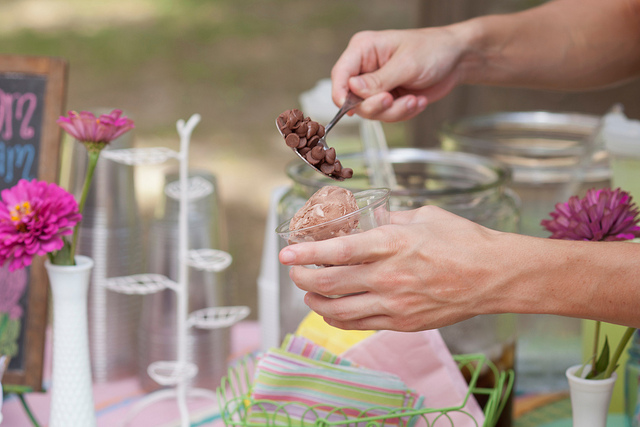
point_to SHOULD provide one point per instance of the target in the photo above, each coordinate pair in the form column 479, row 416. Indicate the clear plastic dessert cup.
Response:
column 373, row 211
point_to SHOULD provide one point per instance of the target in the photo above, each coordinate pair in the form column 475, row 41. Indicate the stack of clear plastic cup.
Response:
column 209, row 349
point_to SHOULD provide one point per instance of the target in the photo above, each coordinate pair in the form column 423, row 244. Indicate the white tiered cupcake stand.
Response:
column 175, row 374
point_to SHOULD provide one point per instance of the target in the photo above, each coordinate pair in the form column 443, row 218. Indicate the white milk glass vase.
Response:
column 590, row 399
column 71, row 389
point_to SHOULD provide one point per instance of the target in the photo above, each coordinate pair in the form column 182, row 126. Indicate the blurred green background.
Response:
column 238, row 63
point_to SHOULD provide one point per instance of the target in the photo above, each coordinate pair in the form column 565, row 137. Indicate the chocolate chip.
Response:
column 302, row 129
column 291, row 120
column 326, row 168
column 337, row 166
column 304, row 151
column 346, row 173
column 311, row 159
column 292, row 140
column 302, row 143
column 313, row 141
column 312, row 129
column 317, row 152
column 330, row 155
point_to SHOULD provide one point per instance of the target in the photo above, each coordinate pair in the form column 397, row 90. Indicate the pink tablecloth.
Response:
column 115, row 400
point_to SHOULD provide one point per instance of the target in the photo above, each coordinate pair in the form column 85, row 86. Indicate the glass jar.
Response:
column 551, row 156
column 468, row 185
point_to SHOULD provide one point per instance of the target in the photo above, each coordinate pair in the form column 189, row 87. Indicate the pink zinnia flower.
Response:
column 34, row 215
column 602, row 215
column 85, row 127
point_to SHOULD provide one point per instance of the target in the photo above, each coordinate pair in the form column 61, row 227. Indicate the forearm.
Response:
column 591, row 280
column 561, row 45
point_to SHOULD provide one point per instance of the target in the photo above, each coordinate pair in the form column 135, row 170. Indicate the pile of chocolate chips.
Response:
column 302, row 134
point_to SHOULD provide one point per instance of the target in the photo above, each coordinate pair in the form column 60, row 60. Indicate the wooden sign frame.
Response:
column 54, row 71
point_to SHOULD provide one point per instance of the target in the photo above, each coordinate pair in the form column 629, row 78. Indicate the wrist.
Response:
column 475, row 54
column 590, row 280
column 527, row 272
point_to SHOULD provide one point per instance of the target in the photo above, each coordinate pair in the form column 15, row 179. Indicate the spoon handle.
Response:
column 350, row 103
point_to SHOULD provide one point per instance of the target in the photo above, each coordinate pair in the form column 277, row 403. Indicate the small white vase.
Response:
column 71, row 389
column 590, row 399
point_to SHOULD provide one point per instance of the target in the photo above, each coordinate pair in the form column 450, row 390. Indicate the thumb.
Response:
column 384, row 79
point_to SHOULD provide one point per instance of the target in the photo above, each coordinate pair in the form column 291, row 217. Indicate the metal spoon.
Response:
column 350, row 103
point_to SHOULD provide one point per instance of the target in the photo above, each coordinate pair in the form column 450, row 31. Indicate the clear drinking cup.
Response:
column 373, row 211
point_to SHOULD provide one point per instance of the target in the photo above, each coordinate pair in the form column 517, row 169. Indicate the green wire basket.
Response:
column 238, row 408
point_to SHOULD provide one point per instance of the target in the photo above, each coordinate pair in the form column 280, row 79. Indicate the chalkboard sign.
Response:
column 32, row 95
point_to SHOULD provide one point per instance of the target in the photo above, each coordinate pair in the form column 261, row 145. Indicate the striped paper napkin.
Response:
column 301, row 382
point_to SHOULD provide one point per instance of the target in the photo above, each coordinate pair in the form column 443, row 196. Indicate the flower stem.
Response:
column 94, row 155
column 616, row 355
column 596, row 340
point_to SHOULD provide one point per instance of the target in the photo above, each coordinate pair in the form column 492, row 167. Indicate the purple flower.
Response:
column 94, row 133
column 85, row 127
column 34, row 215
column 602, row 215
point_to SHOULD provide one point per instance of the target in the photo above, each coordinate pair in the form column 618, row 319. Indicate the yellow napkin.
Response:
column 337, row 341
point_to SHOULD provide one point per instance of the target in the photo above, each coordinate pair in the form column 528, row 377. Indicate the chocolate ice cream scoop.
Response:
column 327, row 204
column 333, row 211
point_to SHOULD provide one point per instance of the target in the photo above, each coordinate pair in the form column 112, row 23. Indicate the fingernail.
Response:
column 422, row 102
column 387, row 102
column 358, row 83
column 287, row 256
column 411, row 104
column 306, row 299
